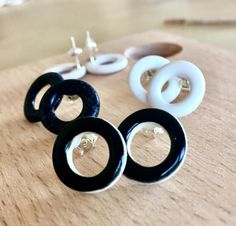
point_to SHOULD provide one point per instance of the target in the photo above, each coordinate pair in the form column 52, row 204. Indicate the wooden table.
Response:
column 39, row 29
column 201, row 193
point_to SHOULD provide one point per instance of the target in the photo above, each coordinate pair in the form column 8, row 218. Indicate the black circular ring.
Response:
column 177, row 152
column 30, row 112
column 114, row 167
column 49, row 102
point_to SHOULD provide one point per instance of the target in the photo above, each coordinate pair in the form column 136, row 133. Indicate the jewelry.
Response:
column 150, row 63
column 63, row 150
column 182, row 70
column 32, row 114
column 51, row 100
column 134, row 123
column 70, row 70
column 105, row 63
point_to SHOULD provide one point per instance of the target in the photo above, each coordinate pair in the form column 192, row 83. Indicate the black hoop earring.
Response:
column 178, row 149
column 68, row 173
column 51, row 100
column 30, row 112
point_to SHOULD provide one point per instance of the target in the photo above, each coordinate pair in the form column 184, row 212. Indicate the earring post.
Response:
column 76, row 53
column 91, row 45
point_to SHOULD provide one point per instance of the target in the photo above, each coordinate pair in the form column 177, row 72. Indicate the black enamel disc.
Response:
column 177, row 152
column 49, row 102
column 114, row 167
column 30, row 112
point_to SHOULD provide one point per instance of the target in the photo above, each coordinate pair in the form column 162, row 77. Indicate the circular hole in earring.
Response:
column 87, row 154
column 186, row 88
column 149, row 144
column 147, row 77
column 69, row 108
column 40, row 95
column 110, row 61
column 68, row 69
column 160, row 49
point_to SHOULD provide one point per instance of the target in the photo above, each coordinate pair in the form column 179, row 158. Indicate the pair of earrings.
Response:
column 118, row 140
column 53, row 97
column 177, row 74
column 71, row 136
column 97, row 64
column 119, row 144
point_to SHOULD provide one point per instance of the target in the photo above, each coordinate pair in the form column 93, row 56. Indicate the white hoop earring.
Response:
column 146, row 64
column 68, row 71
column 182, row 70
column 107, row 64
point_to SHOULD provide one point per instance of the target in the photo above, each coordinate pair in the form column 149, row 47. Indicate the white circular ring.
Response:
column 107, row 64
column 71, row 74
column 178, row 69
column 151, row 63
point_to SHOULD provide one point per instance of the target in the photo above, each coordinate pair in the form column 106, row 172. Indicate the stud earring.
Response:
column 178, row 149
column 71, row 70
column 66, row 142
column 150, row 63
column 31, row 113
column 105, row 63
column 70, row 87
column 192, row 76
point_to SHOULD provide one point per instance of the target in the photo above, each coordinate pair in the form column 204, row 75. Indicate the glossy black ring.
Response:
column 114, row 167
column 30, row 112
column 177, row 152
column 49, row 102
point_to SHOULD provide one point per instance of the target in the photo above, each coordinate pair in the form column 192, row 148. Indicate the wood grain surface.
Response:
column 201, row 193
